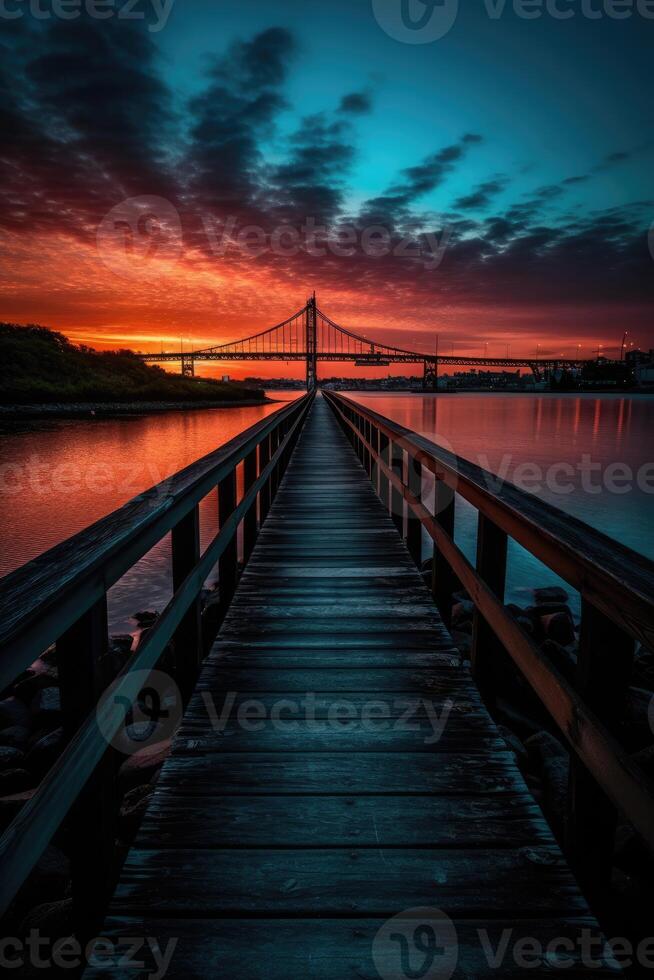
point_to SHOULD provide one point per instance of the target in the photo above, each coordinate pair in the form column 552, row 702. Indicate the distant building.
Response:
column 641, row 363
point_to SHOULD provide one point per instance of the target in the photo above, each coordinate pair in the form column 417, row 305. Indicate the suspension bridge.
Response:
column 310, row 335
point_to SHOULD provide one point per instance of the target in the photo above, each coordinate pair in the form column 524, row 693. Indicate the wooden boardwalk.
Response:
column 364, row 779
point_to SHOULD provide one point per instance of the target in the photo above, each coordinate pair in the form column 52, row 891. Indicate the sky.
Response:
column 191, row 175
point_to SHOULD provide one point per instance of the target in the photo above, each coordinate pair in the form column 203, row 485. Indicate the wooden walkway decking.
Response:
column 278, row 851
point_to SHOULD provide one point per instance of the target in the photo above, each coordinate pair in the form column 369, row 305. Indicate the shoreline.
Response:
column 91, row 410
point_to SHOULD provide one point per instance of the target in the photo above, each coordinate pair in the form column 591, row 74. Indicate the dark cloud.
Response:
column 89, row 120
column 356, row 103
column 394, row 205
column 229, row 119
column 482, row 196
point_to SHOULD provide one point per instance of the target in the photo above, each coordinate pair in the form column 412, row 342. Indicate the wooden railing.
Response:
column 616, row 586
column 61, row 597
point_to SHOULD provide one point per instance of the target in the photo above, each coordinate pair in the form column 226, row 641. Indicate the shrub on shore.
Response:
column 38, row 365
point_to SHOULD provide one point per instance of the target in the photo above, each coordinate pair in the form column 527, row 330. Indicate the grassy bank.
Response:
column 39, row 366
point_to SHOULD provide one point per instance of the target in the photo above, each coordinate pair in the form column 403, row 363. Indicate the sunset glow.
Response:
column 544, row 247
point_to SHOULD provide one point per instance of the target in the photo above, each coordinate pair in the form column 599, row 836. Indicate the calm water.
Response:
column 57, row 478
column 590, row 455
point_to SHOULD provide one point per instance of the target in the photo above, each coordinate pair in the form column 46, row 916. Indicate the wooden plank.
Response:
column 341, row 821
column 396, row 773
column 530, row 881
column 339, row 949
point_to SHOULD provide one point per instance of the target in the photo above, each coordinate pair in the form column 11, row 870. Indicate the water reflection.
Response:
column 59, row 477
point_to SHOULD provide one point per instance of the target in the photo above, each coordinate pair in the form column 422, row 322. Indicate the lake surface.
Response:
column 59, row 477
column 590, row 455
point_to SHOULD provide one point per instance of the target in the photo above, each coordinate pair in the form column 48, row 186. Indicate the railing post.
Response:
column 228, row 561
column 250, row 519
column 274, row 476
column 187, row 641
column 604, row 665
column 384, row 482
column 358, row 444
column 368, row 434
column 397, row 498
column 414, row 527
column 487, row 651
column 264, row 494
column 374, row 465
column 444, row 581
column 92, row 819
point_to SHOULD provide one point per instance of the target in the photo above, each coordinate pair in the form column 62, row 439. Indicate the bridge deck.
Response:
column 279, row 851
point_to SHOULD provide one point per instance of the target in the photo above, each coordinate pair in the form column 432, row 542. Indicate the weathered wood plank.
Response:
column 531, row 881
column 397, row 773
column 342, row 821
column 339, row 949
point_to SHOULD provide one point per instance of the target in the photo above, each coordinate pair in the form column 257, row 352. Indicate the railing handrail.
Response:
column 611, row 576
column 39, row 600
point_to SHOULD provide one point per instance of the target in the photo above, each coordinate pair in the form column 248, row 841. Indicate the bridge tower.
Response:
column 312, row 342
column 430, row 375
column 188, row 366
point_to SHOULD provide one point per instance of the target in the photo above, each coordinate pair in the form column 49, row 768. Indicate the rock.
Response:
column 146, row 618
column 118, row 653
column 10, row 806
column 526, row 624
column 50, row 655
column 41, row 674
column 553, row 762
column 564, row 661
column 45, row 752
column 143, row 766
column 15, row 781
column 463, row 642
column 10, row 758
column 645, row 759
column 46, row 707
column 516, row 719
column 643, row 668
column 462, row 612
column 630, row 853
column 121, row 643
column 639, row 713
column 551, row 593
column 48, row 882
column 559, row 627
column 17, row 736
column 516, row 746
column 52, row 920
column 14, row 713
column 133, row 807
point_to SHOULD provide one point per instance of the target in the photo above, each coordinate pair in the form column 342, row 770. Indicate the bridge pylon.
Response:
column 430, row 375
column 312, row 342
column 188, row 366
